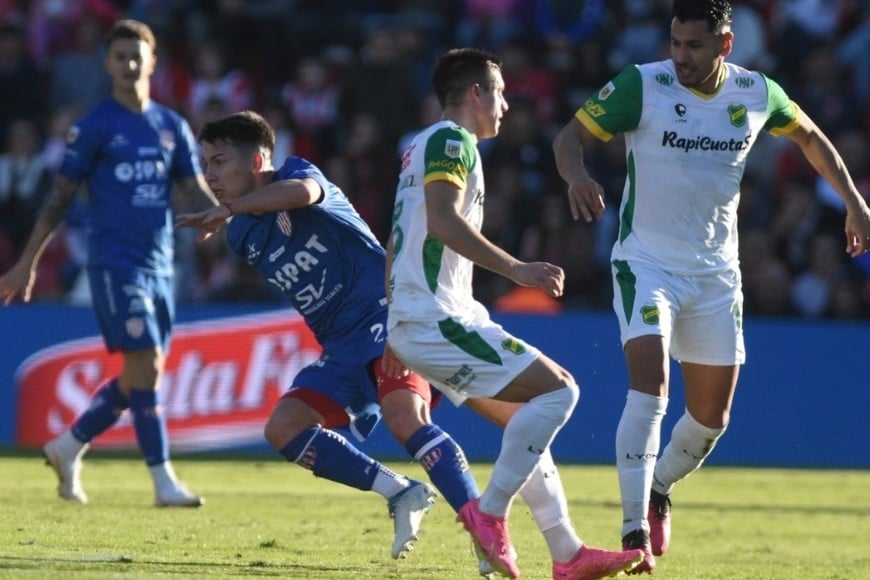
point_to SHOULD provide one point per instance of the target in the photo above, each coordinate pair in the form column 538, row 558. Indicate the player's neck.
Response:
column 135, row 100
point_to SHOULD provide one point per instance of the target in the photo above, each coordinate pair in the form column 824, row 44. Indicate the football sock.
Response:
column 527, row 436
column 545, row 496
column 689, row 446
column 106, row 407
column 163, row 476
column 150, row 426
column 638, row 436
column 330, row 456
column 445, row 463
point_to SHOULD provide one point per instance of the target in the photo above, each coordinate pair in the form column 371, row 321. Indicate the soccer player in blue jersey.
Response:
column 689, row 123
column 132, row 153
column 302, row 234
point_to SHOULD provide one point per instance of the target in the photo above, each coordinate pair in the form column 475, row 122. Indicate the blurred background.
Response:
column 346, row 82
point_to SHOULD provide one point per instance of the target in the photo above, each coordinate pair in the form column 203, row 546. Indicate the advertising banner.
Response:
column 222, row 379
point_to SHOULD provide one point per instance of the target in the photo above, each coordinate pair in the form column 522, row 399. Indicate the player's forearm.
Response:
column 824, row 158
column 50, row 216
column 568, row 153
column 458, row 235
column 279, row 195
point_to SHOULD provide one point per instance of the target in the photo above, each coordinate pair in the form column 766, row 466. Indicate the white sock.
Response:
column 70, row 445
column 526, row 437
column 545, row 496
column 689, row 446
column 638, row 437
column 388, row 483
column 163, row 476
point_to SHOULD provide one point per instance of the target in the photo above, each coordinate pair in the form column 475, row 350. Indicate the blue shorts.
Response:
column 135, row 309
column 344, row 381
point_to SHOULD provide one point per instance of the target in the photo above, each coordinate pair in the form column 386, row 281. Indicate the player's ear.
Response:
column 727, row 43
column 257, row 161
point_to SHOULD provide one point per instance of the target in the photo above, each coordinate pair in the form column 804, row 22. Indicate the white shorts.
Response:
column 700, row 316
column 462, row 358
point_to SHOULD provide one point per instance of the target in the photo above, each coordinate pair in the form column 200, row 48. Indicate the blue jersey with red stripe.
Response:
column 129, row 161
column 325, row 260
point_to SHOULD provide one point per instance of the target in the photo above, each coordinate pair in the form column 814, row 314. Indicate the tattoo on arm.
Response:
column 58, row 202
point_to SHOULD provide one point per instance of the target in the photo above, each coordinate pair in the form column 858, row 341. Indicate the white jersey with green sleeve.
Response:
column 428, row 280
column 685, row 155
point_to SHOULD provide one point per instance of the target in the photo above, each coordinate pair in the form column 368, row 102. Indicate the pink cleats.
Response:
column 638, row 540
column 591, row 563
column 659, row 517
column 490, row 533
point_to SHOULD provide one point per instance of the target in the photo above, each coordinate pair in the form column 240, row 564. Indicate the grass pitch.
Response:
column 267, row 518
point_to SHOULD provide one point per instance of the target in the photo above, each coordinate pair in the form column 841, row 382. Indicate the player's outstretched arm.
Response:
column 825, row 159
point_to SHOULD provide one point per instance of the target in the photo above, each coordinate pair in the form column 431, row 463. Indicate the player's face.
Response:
column 130, row 63
column 698, row 54
column 492, row 105
column 229, row 172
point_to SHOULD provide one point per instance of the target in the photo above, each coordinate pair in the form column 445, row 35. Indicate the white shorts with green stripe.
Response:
column 462, row 358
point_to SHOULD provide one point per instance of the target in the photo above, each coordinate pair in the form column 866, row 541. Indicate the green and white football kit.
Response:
column 675, row 261
column 435, row 325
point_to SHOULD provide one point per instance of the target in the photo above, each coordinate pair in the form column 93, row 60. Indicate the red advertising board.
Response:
column 222, row 378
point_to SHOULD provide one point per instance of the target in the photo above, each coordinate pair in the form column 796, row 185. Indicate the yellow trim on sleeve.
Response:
column 794, row 124
column 587, row 121
column 443, row 176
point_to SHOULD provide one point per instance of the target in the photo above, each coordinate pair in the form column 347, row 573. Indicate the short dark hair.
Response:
column 459, row 68
column 242, row 129
column 717, row 13
column 131, row 29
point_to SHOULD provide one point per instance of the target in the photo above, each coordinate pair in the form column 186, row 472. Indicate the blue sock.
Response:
column 329, row 455
column 106, row 407
column 445, row 463
column 150, row 426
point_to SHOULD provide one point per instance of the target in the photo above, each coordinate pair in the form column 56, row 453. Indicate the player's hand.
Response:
column 391, row 365
column 18, row 280
column 858, row 231
column 586, row 198
column 208, row 221
column 548, row 277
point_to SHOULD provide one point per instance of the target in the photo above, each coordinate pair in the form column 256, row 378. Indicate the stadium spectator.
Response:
column 675, row 266
column 21, row 84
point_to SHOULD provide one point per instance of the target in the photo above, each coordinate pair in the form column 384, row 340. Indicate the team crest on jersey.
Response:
column 737, row 115
column 167, row 140
column 72, row 134
column 284, row 224
column 513, row 345
column 650, row 314
column 135, row 326
column 452, row 148
column 606, row 91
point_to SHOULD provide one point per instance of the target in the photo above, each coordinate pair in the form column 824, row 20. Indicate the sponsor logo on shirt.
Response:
column 744, row 82
column 452, row 148
column 513, row 345
column 664, row 79
column 606, row 91
column 703, row 142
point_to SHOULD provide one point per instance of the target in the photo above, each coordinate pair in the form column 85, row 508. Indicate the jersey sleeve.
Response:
column 782, row 112
column 83, row 142
column 186, row 162
column 616, row 107
column 450, row 156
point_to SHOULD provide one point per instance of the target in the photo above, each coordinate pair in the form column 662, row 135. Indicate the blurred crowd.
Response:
column 346, row 82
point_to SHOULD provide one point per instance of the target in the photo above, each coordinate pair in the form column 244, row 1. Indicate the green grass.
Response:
column 267, row 518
